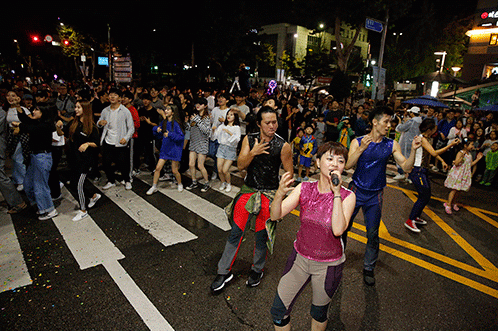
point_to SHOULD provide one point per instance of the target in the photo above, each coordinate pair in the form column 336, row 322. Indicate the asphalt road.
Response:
column 146, row 263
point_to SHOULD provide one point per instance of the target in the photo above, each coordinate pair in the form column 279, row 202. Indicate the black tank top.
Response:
column 263, row 172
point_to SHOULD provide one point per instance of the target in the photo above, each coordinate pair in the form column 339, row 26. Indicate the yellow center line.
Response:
column 432, row 267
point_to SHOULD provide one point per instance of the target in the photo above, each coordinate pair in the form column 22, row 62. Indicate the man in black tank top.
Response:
column 261, row 155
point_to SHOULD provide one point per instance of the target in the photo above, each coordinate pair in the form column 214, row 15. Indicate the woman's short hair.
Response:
column 334, row 148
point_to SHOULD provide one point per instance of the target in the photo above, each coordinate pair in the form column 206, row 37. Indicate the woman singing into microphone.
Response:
column 318, row 255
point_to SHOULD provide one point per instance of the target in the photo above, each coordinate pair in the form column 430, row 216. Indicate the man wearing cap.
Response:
column 409, row 129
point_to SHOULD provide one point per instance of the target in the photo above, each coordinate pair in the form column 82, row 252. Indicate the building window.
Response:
column 493, row 39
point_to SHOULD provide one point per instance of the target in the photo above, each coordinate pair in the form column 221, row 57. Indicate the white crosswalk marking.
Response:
column 90, row 247
column 13, row 269
column 207, row 210
column 160, row 226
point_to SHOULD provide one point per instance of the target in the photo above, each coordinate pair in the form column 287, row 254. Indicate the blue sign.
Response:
column 373, row 25
column 103, row 61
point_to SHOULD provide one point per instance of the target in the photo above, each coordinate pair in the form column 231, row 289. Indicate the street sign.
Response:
column 373, row 25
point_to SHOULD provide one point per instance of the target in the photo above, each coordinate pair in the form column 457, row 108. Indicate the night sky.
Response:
column 177, row 23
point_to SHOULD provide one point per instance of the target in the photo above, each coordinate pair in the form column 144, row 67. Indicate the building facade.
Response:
column 298, row 41
column 481, row 60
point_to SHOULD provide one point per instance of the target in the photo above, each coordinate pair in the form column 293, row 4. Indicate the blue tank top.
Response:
column 370, row 173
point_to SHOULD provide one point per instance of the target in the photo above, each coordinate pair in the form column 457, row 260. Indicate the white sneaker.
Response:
column 435, row 169
column 214, row 176
column 152, row 190
column 229, row 187
column 108, row 186
column 48, row 216
column 180, row 187
column 93, row 200
column 20, row 187
column 80, row 215
column 223, row 186
column 128, row 186
column 399, row 177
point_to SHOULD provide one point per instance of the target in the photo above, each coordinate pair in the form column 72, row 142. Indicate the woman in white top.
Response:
column 228, row 135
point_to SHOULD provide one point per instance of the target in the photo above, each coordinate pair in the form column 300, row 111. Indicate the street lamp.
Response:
column 443, row 53
column 455, row 70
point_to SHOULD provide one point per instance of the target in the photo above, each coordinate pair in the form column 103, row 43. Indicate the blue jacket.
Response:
column 172, row 145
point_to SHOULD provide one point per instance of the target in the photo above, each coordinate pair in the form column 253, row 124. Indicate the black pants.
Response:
column 121, row 158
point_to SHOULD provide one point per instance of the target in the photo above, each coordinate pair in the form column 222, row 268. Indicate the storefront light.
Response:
column 474, row 32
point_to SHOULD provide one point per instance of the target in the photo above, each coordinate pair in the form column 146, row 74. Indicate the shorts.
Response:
column 227, row 152
column 305, row 161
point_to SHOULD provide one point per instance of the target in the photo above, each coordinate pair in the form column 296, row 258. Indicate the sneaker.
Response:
column 93, row 200
column 108, row 185
column 192, row 186
column 455, row 207
column 223, row 186
column 254, row 278
column 128, row 186
column 399, row 177
column 410, row 225
column 79, row 216
column 420, row 221
column 435, row 169
column 409, row 181
column 299, row 180
column 447, row 209
column 18, row 208
column 305, row 179
column 61, row 185
column 205, row 187
column 48, row 216
column 152, row 190
column 180, row 188
column 368, row 277
column 220, row 281
column 20, row 187
column 228, row 188
column 214, row 176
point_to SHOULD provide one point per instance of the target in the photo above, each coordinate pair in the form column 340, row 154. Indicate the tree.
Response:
column 73, row 44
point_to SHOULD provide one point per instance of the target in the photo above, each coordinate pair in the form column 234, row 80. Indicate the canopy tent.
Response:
column 426, row 100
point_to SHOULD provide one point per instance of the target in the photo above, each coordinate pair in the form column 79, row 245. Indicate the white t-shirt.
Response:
column 112, row 133
column 245, row 109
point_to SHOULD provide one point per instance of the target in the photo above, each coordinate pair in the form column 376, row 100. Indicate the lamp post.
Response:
column 455, row 70
column 443, row 53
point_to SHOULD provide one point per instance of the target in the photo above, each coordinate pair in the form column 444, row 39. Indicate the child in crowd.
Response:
column 491, row 165
column 307, row 148
column 171, row 130
column 345, row 132
column 295, row 145
column 228, row 135
column 320, row 129
column 460, row 176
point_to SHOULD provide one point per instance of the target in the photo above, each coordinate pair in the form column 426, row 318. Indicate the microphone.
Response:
column 335, row 179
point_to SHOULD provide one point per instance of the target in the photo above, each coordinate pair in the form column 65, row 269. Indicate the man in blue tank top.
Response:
column 370, row 154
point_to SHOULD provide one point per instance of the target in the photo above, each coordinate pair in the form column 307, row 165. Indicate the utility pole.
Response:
column 383, row 40
column 110, row 51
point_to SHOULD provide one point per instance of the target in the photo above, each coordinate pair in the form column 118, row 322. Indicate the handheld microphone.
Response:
column 335, row 179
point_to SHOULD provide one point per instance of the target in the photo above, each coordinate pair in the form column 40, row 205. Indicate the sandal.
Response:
column 455, row 207
column 18, row 208
column 447, row 209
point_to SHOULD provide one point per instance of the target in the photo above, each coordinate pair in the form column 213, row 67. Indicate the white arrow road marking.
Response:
column 90, row 247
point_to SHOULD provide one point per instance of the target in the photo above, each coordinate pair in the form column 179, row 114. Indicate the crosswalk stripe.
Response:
column 210, row 212
column 13, row 269
column 90, row 247
column 85, row 239
column 160, row 226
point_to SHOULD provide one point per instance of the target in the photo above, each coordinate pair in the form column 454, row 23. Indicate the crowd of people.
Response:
column 125, row 130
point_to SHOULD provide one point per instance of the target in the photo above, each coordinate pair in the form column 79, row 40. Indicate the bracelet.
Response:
column 337, row 196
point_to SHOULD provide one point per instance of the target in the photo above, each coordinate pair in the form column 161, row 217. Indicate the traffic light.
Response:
column 35, row 39
column 65, row 42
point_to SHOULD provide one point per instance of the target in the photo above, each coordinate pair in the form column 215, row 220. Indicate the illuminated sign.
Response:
column 492, row 14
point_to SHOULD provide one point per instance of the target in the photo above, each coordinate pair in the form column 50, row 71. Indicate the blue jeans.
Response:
column 418, row 176
column 36, row 182
column 18, row 166
column 371, row 204
column 213, row 149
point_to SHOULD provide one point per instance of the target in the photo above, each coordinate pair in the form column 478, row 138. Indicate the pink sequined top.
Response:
column 315, row 239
